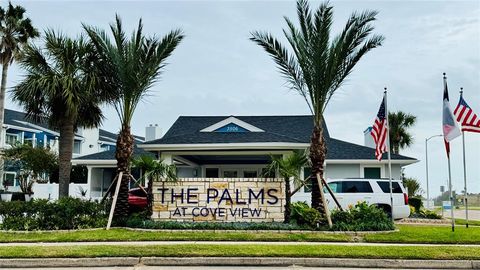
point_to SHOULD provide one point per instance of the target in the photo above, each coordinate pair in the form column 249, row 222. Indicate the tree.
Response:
column 289, row 168
column 33, row 164
column 413, row 187
column 153, row 170
column 131, row 67
column 319, row 65
column 16, row 31
column 399, row 123
column 61, row 85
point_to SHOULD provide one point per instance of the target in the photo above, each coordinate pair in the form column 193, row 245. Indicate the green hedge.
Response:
column 362, row 217
column 63, row 214
column 140, row 222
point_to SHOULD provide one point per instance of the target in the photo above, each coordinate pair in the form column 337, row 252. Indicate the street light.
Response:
column 426, row 166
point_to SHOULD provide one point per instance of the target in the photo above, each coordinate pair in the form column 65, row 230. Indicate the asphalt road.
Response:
column 472, row 214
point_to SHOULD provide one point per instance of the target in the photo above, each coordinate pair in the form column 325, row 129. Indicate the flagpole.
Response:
column 389, row 158
column 449, row 175
column 465, row 199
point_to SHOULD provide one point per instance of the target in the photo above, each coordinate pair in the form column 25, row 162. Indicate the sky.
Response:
column 217, row 70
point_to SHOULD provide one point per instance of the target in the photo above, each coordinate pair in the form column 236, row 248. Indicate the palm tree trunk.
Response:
column 65, row 150
column 317, row 157
column 3, row 88
column 287, row 200
column 150, row 197
column 123, row 155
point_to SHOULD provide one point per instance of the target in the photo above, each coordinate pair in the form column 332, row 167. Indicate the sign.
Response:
column 219, row 199
column 446, row 205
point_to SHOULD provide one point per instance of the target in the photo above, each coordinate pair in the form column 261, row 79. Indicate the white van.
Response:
column 350, row 191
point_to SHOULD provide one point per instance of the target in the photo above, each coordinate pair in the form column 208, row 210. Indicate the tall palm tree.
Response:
column 15, row 32
column 400, row 137
column 61, row 85
column 319, row 64
column 289, row 168
column 131, row 67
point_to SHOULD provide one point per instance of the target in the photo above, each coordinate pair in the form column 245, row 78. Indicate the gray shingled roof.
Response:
column 295, row 129
column 338, row 149
column 186, row 130
column 112, row 137
column 110, row 155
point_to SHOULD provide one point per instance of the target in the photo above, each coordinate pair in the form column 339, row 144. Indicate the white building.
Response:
column 17, row 129
column 240, row 147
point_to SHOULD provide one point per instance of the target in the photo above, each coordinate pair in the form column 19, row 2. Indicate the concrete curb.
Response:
column 68, row 262
column 242, row 261
column 312, row 262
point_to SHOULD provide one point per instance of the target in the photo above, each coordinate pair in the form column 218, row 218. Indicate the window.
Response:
column 250, row 174
column 11, row 139
column 336, row 187
column 372, row 173
column 385, row 186
column 230, row 174
column 356, row 187
column 211, row 172
column 76, row 147
column 9, row 179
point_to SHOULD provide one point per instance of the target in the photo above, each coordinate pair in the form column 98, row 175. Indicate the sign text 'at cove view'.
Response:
column 219, row 199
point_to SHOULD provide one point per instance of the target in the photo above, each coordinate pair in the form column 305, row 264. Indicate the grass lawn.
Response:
column 129, row 235
column 188, row 250
column 459, row 221
column 406, row 234
column 428, row 234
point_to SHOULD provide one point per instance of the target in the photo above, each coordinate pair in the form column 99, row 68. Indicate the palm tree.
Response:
column 319, row 65
column 131, row 67
column 153, row 170
column 399, row 123
column 289, row 168
column 61, row 85
column 15, row 32
column 413, row 187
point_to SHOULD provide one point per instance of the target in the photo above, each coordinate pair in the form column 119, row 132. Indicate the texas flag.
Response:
column 450, row 126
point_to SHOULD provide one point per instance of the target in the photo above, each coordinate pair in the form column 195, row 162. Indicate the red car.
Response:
column 137, row 198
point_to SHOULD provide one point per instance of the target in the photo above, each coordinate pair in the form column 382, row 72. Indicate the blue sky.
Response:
column 218, row 71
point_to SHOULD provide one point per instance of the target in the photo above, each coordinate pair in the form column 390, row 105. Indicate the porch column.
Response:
column 89, row 181
column 22, row 137
column 34, row 140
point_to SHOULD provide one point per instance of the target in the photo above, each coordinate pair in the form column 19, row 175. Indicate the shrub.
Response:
column 416, row 203
column 136, row 221
column 426, row 214
column 303, row 214
column 63, row 214
column 361, row 217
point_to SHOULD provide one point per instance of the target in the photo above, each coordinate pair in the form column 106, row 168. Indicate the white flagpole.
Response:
column 450, row 177
column 389, row 158
column 465, row 199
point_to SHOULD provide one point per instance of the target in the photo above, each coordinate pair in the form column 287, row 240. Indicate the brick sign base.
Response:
column 219, row 200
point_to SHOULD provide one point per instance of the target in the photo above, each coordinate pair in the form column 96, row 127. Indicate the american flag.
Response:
column 466, row 117
column 380, row 131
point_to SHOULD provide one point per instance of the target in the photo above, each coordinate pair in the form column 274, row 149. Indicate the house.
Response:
column 234, row 147
column 18, row 129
